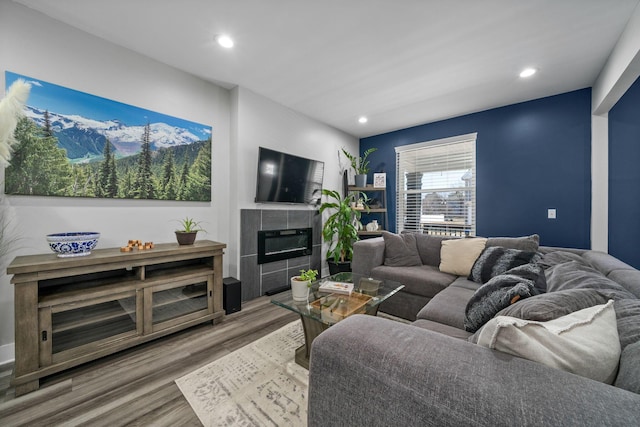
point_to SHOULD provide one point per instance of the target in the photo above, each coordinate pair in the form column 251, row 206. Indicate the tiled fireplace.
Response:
column 286, row 251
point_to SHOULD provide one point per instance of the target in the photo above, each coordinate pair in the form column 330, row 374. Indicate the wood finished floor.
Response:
column 136, row 387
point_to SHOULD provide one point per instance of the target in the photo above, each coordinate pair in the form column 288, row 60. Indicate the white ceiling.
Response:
column 401, row 63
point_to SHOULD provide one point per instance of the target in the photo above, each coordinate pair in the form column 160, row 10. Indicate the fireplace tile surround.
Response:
column 260, row 278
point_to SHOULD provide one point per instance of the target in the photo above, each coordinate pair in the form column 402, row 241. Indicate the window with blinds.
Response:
column 436, row 182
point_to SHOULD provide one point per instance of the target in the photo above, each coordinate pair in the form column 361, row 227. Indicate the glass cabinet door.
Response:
column 77, row 327
column 173, row 304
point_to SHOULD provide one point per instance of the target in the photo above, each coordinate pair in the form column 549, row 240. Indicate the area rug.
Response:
column 257, row 385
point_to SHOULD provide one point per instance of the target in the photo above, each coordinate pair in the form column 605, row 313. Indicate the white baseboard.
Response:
column 7, row 353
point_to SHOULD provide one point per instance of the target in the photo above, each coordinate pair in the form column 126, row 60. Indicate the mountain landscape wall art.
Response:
column 74, row 144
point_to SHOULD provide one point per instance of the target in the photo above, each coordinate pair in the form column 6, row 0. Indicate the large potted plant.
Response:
column 360, row 166
column 340, row 229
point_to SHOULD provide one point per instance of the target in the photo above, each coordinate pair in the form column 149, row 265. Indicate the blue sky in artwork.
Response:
column 62, row 100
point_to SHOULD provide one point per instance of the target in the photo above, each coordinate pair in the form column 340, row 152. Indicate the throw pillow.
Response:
column 496, row 260
column 400, row 250
column 525, row 243
column 458, row 255
column 500, row 292
column 629, row 374
column 584, row 342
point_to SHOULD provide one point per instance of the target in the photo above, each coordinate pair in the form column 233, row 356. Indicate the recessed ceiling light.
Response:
column 362, row 119
column 527, row 72
column 224, row 41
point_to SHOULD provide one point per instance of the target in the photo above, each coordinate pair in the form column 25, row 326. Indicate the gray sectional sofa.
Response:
column 371, row 371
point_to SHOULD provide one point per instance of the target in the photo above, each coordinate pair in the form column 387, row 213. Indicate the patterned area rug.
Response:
column 257, row 385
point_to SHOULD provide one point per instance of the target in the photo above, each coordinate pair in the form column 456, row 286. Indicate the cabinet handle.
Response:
column 210, row 293
column 44, row 335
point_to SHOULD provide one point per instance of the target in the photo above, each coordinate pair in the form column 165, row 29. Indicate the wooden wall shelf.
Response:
column 70, row 311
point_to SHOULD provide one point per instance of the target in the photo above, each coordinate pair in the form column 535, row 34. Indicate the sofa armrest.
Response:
column 376, row 372
column 367, row 254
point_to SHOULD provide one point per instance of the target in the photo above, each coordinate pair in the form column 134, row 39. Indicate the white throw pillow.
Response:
column 457, row 256
column 584, row 342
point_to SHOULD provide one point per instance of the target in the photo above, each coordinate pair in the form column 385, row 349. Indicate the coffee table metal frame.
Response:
column 312, row 321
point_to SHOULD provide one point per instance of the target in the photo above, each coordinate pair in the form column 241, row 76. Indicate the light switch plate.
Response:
column 551, row 213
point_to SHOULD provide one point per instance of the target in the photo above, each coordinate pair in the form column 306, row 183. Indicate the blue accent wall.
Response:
column 530, row 157
column 624, row 177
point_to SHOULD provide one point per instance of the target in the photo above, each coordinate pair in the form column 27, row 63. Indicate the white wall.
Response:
column 34, row 45
column 618, row 74
column 262, row 122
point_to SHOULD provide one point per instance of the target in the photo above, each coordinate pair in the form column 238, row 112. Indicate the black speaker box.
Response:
column 231, row 295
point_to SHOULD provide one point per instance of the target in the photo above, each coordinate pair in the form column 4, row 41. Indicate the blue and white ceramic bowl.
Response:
column 73, row 244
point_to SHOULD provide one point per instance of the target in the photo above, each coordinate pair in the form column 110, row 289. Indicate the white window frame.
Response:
column 453, row 153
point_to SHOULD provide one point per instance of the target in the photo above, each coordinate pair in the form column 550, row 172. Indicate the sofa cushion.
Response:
column 496, row 260
column 630, row 279
column 575, row 275
column 442, row 328
column 551, row 305
column 604, row 262
column 629, row 373
column 500, row 292
column 525, row 243
column 424, row 280
column 448, row 306
column 628, row 317
column 458, row 255
column 584, row 342
column 552, row 258
column 429, row 247
column 400, row 250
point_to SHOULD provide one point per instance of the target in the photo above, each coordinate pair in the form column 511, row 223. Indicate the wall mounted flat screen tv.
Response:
column 285, row 178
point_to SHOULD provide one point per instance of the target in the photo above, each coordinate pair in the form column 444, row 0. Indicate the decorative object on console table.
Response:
column 187, row 235
column 73, row 244
column 340, row 230
column 301, row 284
column 360, row 166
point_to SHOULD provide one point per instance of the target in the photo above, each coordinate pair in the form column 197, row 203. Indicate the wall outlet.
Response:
column 551, row 213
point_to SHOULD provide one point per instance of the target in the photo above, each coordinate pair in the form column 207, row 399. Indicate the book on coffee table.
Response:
column 330, row 286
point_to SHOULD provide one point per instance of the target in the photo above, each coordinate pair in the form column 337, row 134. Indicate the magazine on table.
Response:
column 336, row 287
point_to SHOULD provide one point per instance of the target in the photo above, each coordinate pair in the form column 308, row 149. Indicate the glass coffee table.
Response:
column 325, row 308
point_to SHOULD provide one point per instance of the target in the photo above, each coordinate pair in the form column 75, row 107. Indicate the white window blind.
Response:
column 436, row 182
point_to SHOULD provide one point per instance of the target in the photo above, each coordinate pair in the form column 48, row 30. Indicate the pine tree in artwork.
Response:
column 38, row 166
column 143, row 186
column 182, row 182
column 104, row 173
column 199, row 178
column 168, row 177
column 47, row 124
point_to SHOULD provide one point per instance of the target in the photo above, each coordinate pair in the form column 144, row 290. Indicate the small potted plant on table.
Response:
column 301, row 284
column 190, row 228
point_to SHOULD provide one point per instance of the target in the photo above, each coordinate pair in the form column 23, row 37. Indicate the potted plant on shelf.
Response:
column 301, row 284
column 360, row 166
column 190, row 228
column 340, row 229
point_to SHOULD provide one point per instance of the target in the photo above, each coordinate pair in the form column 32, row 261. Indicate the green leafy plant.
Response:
column 359, row 164
column 341, row 227
column 190, row 225
column 308, row 275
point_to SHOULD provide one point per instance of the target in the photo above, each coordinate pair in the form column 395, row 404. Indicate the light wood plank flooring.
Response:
column 136, row 387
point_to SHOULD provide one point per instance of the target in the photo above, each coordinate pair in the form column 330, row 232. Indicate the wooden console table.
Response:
column 69, row 311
